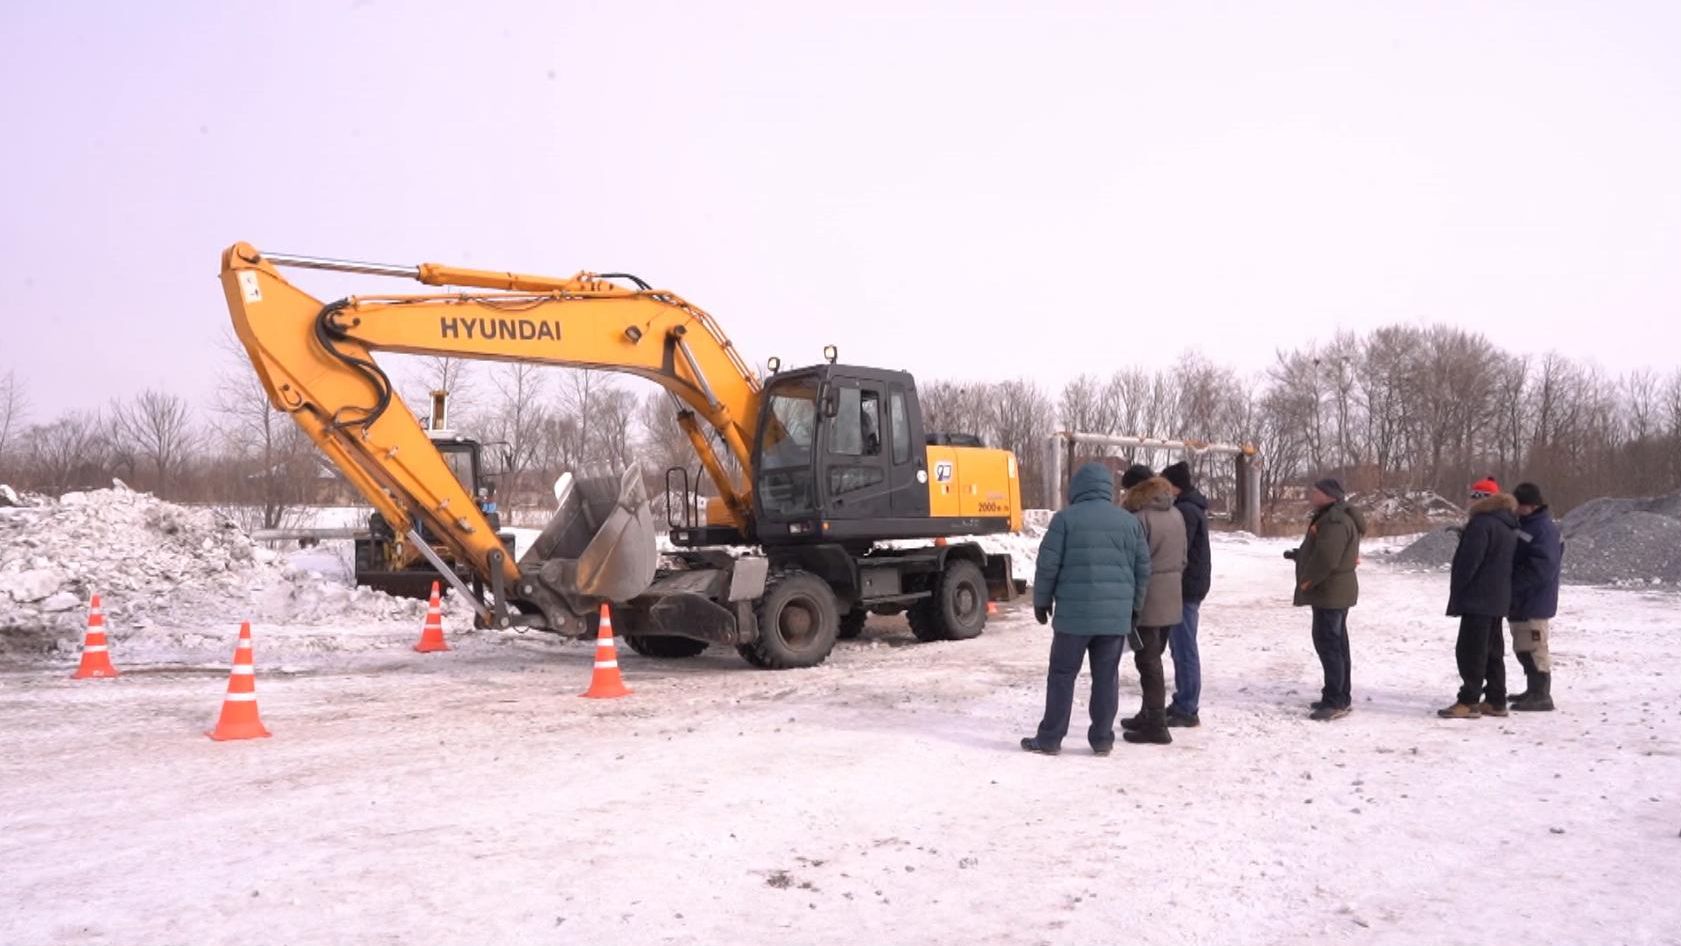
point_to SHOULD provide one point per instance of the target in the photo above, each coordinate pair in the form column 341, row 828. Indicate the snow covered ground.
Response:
column 471, row 797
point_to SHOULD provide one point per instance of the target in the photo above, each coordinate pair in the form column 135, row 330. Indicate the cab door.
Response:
column 907, row 456
column 857, row 451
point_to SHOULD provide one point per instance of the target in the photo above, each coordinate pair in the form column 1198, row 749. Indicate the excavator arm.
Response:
column 316, row 362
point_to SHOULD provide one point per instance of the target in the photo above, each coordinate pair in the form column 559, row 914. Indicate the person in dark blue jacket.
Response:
column 1480, row 595
column 1089, row 584
column 1182, row 640
column 1535, row 577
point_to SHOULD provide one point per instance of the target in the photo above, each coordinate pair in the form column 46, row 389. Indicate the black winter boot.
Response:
column 1528, row 662
column 1135, row 723
column 1539, row 699
column 1152, row 732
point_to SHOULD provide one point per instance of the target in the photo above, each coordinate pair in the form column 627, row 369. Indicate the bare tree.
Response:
column 518, row 420
column 456, row 377
column 1128, row 396
column 1021, row 423
column 1081, row 406
column 955, row 407
column 158, row 428
column 270, row 462
column 14, row 410
column 1202, row 389
column 1341, row 365
column 69, row 452
column 615, row 417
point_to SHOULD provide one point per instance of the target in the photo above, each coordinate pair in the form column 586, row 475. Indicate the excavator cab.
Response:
column 840, row 457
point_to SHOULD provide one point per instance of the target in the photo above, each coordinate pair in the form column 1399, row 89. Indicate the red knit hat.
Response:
column 1486, row 486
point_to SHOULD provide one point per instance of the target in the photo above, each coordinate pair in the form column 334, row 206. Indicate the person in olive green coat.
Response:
column 1325, row 582
column 1089, row 581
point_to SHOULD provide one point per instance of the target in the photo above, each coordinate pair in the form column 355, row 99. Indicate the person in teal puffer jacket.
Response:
column 1092, row 573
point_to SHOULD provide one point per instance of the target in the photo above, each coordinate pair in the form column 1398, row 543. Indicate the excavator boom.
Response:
column 316, row 362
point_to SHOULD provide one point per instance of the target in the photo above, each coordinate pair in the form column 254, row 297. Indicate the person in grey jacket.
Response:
column 1089, row 583
column 1150, row 498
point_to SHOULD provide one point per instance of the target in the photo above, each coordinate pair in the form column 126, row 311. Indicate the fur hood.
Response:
column 1499, row 502
column 1154, row 492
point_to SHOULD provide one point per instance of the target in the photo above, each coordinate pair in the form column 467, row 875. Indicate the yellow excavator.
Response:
column 840, row 503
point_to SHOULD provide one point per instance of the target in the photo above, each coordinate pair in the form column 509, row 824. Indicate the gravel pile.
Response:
column 1432, row 550
column 155, row 564
column 1624, row 541
column 1606, row 542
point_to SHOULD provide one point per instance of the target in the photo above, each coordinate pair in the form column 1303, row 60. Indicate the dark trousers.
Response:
column 1330, row 640
column 1148, row 659
column 1481, row 651
column 1068, row 652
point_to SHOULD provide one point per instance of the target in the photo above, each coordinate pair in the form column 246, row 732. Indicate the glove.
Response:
column 1042, row 615
column 1291, row 554
column 1135, row 640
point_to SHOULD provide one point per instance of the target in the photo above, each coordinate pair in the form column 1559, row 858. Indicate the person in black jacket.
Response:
column 1182, row 639
column 1480, row 595
column 1535, row 576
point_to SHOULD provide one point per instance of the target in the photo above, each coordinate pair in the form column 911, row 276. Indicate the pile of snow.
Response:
column 1606, row 542
column 155, row 564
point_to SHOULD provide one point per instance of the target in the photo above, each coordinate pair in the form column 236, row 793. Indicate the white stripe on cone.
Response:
column 241, row 697
column 93, row 648
column 606, row 664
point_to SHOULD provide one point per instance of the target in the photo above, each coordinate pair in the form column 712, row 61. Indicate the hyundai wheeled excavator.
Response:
column 841, row 504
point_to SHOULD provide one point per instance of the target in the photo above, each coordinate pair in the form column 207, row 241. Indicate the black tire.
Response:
column 750, row 654
column 798, row 623
column 852, row 624
column 665, row 646
column 957, row 611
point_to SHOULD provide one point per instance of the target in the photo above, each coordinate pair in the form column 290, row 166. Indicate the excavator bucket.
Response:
column 601, row 541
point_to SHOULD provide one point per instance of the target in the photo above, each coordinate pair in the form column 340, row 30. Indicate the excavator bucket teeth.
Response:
column 602, row 534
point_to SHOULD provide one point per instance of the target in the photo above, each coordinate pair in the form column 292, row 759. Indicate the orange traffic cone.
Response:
column 432, row 635
column 96, row 653
column 239, row 708
column 991, row 607
column 605, row 683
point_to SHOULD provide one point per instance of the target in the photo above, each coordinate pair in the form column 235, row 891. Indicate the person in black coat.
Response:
column 1535, row 578
column 1182, row 639
column 1480, row 594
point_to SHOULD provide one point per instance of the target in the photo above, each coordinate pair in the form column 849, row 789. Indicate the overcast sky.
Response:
column 959, row 189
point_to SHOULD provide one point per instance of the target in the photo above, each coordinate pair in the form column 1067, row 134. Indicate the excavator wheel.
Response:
column 798, row 623
column 750, row 653
column 664, row 645
column 852, row 624
column 957, row 611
